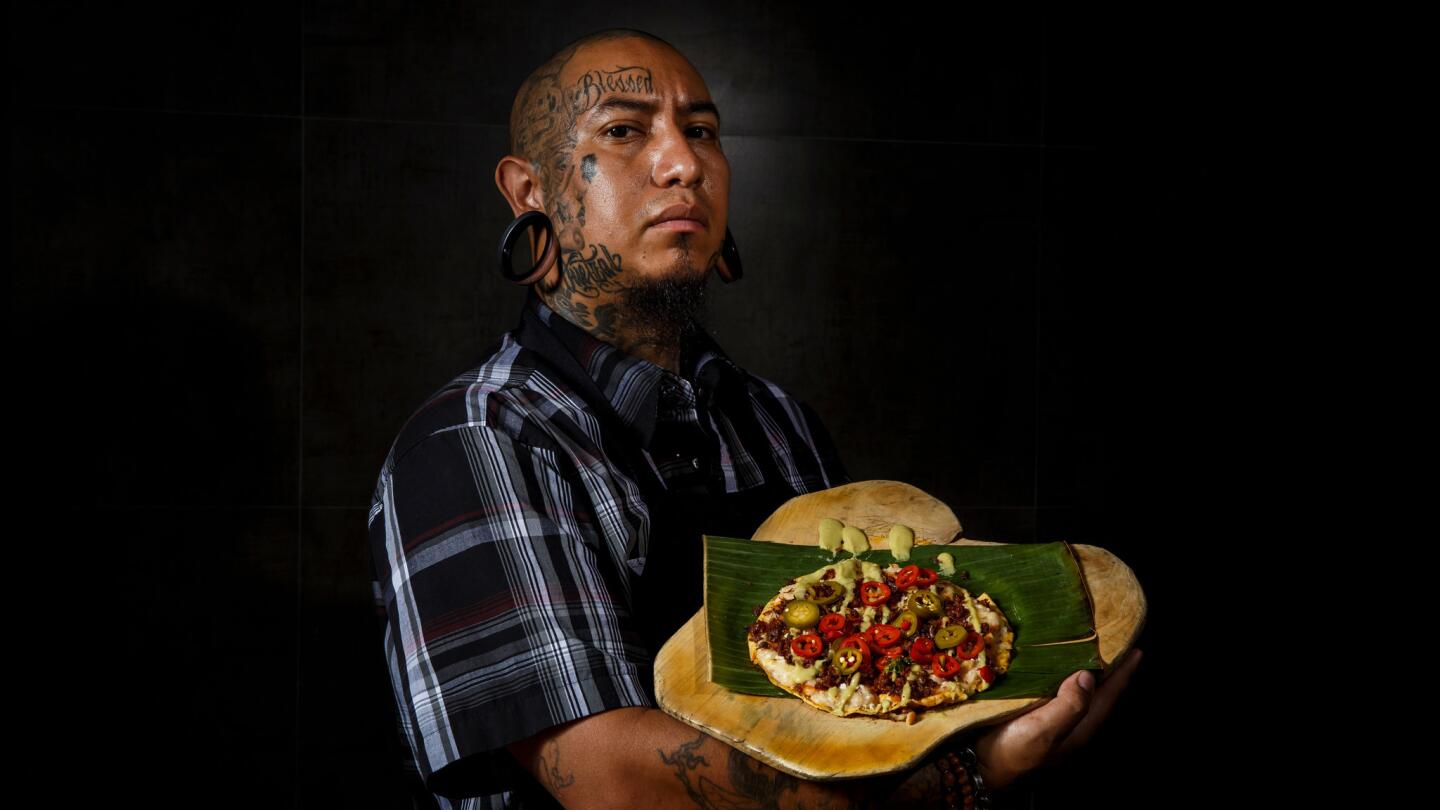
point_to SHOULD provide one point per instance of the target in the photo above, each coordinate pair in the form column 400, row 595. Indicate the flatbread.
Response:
column 872, row 690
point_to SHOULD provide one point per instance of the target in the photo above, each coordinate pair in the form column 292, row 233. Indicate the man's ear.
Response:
column 519, row 185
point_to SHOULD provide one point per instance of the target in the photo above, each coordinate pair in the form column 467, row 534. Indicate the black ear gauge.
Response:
column 729, row 267
column 548, row 256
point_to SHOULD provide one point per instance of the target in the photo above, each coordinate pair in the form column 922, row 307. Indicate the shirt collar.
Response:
column 628, row 385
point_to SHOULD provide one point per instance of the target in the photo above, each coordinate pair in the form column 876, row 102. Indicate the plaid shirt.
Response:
column 508, row 543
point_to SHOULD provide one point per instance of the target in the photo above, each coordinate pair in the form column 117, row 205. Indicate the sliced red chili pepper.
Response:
column 807, row 646
column 923, row 650
column 972, row 646
column 832, row 621
column 869, row 635
column 944, row 665
column 858, row 641
column 887, row 636
column 926, row 578
column 831, row 635
column 907, row 576
column 987, row 673
column 874, row 593
column 894, row 652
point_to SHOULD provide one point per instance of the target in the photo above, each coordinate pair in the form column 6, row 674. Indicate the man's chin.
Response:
column 668, row 307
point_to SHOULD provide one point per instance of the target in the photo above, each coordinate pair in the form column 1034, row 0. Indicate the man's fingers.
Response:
column 1022, row 743
column 1058, row 717
column 1114, row 685
column 1110, row 690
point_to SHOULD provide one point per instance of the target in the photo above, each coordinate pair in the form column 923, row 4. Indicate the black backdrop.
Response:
column 248, row 239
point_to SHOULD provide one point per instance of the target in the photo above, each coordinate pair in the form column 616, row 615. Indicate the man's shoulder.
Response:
column 787, row 413
column 765, row 391
column 504, row 392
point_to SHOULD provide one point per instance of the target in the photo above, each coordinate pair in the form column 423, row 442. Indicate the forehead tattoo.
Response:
column 546, row 111
column 595, row 84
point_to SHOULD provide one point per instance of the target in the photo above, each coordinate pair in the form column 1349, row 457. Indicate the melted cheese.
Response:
column 946, row 563
column 830, row 530
column 786, row 673
column 902, row 539
column 855, row 540
column 845, row 694
column 974, row 615
column 845, row 574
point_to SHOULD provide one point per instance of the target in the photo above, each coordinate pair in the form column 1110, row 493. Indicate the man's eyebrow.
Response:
column 650, row 107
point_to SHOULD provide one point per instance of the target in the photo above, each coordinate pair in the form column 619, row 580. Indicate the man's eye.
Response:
column 619, row 130
column 704, row 132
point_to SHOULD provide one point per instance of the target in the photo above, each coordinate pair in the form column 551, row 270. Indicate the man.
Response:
column 536, row 525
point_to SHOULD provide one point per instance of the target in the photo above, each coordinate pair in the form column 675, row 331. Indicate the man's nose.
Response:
column 675, row 159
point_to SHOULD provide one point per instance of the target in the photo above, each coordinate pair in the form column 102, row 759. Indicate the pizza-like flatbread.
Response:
column 922, row 675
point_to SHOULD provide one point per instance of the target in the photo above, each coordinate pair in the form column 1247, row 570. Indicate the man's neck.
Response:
column 638, row 342
column 663, row 354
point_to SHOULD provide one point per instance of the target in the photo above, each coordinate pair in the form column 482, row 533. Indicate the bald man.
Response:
column 535, row 528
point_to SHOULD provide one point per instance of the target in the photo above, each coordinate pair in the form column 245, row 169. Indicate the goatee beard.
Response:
column 668, row 309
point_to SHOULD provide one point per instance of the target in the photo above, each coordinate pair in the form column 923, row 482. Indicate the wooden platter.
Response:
column 798, row 739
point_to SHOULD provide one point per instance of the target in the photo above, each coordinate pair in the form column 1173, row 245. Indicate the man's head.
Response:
column 616, row 138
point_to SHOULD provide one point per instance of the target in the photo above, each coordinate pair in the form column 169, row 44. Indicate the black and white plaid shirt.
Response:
column 508, row 542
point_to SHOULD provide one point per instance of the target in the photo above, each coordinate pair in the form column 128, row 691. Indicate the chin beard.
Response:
column 665, row 310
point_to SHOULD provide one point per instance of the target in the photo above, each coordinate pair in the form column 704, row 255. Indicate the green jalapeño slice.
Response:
column 924, row 603
column 801, row 614
column 949, row 636
column 825, row 593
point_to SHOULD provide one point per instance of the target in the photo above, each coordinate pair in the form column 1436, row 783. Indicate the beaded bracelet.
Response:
column 960, row 775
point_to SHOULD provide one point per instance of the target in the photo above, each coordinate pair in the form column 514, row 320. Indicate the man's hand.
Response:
column 1051, row 731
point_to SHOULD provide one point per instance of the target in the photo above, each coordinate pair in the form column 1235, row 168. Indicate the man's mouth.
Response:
column 682, row 218
column 683, row 225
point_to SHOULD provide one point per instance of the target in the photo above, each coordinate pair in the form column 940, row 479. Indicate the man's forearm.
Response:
column 649, row 759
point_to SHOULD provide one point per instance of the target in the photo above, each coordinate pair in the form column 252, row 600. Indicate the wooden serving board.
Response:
column 803, row 741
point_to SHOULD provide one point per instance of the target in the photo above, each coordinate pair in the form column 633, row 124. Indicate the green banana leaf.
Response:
column 1038, row 587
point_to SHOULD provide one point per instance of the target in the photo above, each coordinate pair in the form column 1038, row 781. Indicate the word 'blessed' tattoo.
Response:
column 595, row 84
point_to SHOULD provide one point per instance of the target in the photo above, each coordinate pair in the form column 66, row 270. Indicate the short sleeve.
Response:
column 504, row 618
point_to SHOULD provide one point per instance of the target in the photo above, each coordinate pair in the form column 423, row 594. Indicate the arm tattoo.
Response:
column 758, row 781
column 753, row 785
column 550, row 772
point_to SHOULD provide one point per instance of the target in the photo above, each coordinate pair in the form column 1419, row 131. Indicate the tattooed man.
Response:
column 535, row 528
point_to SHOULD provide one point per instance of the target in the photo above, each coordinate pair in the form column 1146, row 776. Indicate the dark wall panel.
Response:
column 197, row 57
column 247, row 242
column 156, row 267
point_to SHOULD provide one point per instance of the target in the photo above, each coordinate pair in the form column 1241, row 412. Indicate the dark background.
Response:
column 248, row 239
